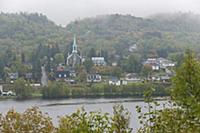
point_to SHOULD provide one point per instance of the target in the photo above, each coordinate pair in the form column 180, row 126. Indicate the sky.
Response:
column 64, row 11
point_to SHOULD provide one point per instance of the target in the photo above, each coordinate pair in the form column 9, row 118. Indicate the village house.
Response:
column 154, row 78
column 159, row 63
column 61, row 73
column 98, row 61
column 94, row 78
column 115, row 81
column 28, row 76
column 132, row 77
column 6, row 92
column 165, row 78
column 164, row 63
column 132, row 48
column 13, row 76
column 153, row 63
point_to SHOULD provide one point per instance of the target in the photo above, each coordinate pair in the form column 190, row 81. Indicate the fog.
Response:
column 64, row 11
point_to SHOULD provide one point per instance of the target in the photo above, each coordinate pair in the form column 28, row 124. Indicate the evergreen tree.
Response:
column 186, row 83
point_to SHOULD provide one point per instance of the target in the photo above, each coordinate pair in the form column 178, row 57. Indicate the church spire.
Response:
column 74, row 47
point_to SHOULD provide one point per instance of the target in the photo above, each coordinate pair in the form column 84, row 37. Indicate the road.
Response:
column 44, row 79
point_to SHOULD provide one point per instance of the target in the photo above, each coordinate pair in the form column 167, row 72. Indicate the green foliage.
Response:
column 62, row 90
column 88, row 65
column 121, row 120
column 56, row 90
column 82, row 74
column 186, row 83
column 22, row 88
column 132, row 64
column 59, row 58
column 96, row 122
column 83, row 122
column 26, row 30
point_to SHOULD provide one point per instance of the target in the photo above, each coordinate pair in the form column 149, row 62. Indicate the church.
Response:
column 74, row 58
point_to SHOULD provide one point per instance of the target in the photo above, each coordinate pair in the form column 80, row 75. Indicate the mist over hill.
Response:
column 159, row 34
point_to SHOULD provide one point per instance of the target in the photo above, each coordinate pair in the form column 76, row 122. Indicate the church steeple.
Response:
column 74, row 58
column 74, row 46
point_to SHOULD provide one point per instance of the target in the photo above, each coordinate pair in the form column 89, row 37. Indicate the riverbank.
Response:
column 137, row 90
column 60, row 90
column 115, row 101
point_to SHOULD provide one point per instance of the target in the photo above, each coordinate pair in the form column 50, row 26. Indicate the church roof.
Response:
column 74, row 46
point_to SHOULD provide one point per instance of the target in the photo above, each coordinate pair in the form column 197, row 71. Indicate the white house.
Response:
column 99, row 61
column 132, row 77
column 155, row 66
column 5, row 93
column 153, row 63
column 165, row 78
column 164, row 63
column 157, row 63
column 132, row 48
column 114, row 81
column 95, row 78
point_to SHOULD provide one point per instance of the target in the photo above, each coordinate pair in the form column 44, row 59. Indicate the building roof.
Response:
column 113, row 78
column 13, row 75
column 98, row 58
column 74, row 46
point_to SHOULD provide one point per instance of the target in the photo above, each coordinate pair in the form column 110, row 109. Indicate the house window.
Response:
column 59, row 75
column 65, row 75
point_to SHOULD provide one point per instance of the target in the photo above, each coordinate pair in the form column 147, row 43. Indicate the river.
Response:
column 57, row 108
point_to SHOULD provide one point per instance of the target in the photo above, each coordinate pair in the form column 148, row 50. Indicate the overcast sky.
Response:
column 64, row 11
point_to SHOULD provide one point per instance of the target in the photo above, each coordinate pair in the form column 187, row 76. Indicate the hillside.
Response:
column 160, row 34
column 157, row 35
column 25, row 31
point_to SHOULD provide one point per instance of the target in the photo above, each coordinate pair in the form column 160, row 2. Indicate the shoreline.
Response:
column 132, row 99
column 105, row 102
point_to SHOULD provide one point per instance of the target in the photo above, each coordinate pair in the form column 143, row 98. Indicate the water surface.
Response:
column 57, row 108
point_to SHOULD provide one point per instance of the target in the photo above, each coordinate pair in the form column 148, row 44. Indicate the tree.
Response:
column 116, row 71
column 186, row 83
column 56, row 90
column 92, row 53
column 59, row 58
column 88, row 65
column 22, row 88
column 134, row 63
column 30, row 121
column 82, row 74
column 96, row 122
column 146, row 71
column 121, row 120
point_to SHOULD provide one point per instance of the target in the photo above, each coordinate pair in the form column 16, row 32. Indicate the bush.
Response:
column 56, row 90
column 32, row 120
column 22, row 88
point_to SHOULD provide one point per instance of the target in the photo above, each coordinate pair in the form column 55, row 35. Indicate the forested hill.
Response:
column 113, row 24
column 27, row 30
column 158, row 35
